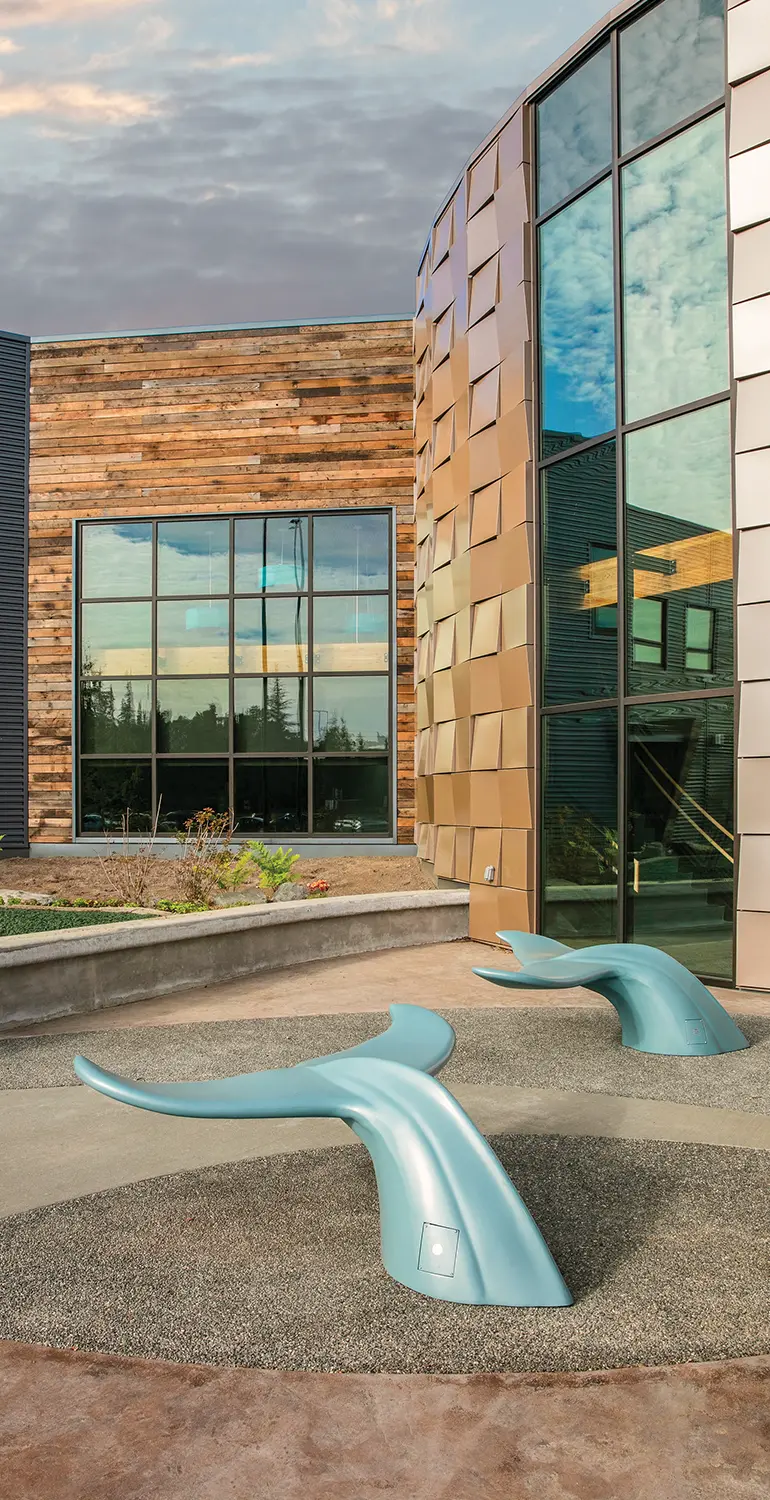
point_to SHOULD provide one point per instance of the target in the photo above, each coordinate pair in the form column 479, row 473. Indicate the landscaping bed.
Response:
column 354, row 875
column 19, row 921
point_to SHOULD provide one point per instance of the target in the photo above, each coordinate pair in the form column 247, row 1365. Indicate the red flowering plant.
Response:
column 318, row 888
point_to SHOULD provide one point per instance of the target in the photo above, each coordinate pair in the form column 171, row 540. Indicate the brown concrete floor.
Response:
column 439, row 975
column 92, row 1427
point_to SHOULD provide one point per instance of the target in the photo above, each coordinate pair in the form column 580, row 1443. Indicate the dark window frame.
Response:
column 231, row 755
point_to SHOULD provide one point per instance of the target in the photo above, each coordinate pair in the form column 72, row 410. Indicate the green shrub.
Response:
column 275, row 866
column 181, row 908
column 16, row 922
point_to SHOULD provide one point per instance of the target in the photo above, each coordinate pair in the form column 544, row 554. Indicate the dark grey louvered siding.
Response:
column 14, row 466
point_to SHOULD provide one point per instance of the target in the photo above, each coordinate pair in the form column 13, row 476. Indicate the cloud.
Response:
column 292, row 201
column 217, row 61
column 21, row 13
column 78, row 101
column 365, row 26
column 7, row 46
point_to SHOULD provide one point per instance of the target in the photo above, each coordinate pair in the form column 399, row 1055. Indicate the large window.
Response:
column 637, row 608
column 236, row 663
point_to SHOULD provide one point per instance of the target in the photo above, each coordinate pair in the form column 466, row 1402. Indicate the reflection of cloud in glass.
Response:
column 681, row 468
column 350, row 552
column 270, row 553
column 193, row 557
column 657, row 86
column 577, row 317
column 675, row 271
column 574, row 128
column 117, row 561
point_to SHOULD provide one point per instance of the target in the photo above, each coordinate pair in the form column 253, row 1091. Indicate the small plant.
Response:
column 206, row 856
column 181, row 908
column 318, row 888
column 128, row 874
column 276, row 866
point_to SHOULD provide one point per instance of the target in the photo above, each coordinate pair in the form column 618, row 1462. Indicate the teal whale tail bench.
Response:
column 662, row 1007
column 452, row 1224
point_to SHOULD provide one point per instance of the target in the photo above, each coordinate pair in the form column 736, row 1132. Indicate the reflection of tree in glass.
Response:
column 579, row 849
column 204, row 730
column 273, row 724
column 107, row 726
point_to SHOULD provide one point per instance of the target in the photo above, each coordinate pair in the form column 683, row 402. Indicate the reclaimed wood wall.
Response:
column 286, row 418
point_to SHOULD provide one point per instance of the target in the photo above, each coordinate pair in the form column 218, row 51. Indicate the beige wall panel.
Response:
column 751, row 337
column 753, row 642
column 444, row 750
column 750, row 114
column 485, row 464
column 754, row 878
column 461, row 795
column 517, row 497
column 444, row 644
column 443, row 802
column 517, row 859
column 754, row 722
column 484, row 290
column 482, row 238
column 483, row 347
column 515, row 378
column 441, row 393
column 513, row 146
column 483, row 180
column 463, row 743
column 754, row 796
column 463, row 838
column 485, row 401
column 752, row 948
column 463, row 626
column 485, row 639
column 494, row 910
column 518, row 617
column 444, row 865
column 485, row 521
column 752, row 488
column 750, row 187
column 440, row 293
column 748, row 39
column 752, row 426
column 751, row 263
column 443, row 544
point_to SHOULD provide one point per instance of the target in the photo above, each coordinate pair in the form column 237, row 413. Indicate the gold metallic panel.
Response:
column 753, row 641
column 487, row 742
column 443, row 334
column 515, row 434
column 518, row 617
column 494, row 910
column 752, row 414
column 424, row 752
column 752, row 946
column 483, row 240
column 440, row 291
column 443, row 236
column 444, row 865
column 517, row 858
column 486, row 851
column 751, row 263
column 443, row 481
column 486, row 696
column 484, row 458
column 444, row 753
column 753, row 798
column 463, row 744
column 463, row 626
column 484, row 290
column 513, row 145
column 443, row 391
column 443, row 804
column 461, row 798
column 485, row 640
column 461, row 689
column 443, row 697
column 485, row 401
column 444, row 644
column 483, row 347
column 443, row 438
column 518, row 496
column 518, row 737
column 463, row 838
column 483, row 180
column 754, row 568
column 485, row 516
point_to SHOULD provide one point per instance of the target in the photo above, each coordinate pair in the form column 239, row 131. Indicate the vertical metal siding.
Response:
column 14, row 466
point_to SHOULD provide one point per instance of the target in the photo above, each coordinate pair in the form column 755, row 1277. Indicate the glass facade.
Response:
column 637, row 608
column 236, row 663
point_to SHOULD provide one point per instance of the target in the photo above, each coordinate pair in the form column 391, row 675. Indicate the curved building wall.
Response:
column 590, row 433
column 473, row 512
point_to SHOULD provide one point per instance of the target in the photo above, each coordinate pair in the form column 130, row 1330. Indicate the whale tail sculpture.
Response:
column 662, row 1007
column 452, row 1223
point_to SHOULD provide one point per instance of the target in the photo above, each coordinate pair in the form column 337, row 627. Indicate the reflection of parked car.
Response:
column 93, row 823
column 347, row 825
column 250, row 823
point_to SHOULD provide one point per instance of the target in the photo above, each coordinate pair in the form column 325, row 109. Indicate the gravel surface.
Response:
column 576, row 1049
column 275, row 1264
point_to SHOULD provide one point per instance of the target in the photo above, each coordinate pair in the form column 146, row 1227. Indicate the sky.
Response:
column 176, row 162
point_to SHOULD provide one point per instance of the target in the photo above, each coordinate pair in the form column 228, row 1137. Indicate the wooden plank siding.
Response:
column 134, row 426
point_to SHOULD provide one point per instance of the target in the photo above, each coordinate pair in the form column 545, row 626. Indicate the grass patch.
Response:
column 16, row 921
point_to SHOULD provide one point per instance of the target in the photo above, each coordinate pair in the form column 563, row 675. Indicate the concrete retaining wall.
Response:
column 89, row 968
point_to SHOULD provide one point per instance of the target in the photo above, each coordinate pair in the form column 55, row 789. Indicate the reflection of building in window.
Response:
column 649, row 619
column 699, row 639
column 605, row 616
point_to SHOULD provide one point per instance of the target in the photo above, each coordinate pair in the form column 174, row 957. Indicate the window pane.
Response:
column 350, row 713
column 116, row 640
column 270, row 554
column 116, row 561
column 648, row 628
column 350, row 552
column 680, row 844
column 115, row 715
column 193, row 637
column 350, row 634
column 271, row 635
column 675, row 271
column 671, row 64
column 350, row 796
column 109, row 788
column 193, row 715
column 574, row 131
column 577, row 322
column 194, row 557
column 271, row 797
column 679, row 541
column 270, row 713
column 580, row 575
column 186, row 787
column 580, row 839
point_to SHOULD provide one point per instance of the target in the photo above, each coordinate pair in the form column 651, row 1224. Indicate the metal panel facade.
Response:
column 14, row 449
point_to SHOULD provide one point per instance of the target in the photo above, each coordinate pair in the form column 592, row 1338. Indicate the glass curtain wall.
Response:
column 236, row 663
column 637, row 672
